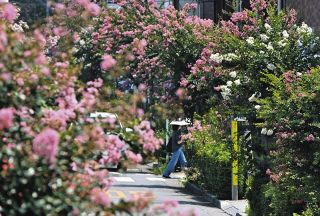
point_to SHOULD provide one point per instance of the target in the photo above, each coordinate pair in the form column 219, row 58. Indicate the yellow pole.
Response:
column 235, row 165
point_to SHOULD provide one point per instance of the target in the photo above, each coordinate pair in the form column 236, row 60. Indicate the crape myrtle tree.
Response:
column 51, row 152
column 160, row 45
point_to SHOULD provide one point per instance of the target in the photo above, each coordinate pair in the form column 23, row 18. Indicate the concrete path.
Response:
column 129, row 183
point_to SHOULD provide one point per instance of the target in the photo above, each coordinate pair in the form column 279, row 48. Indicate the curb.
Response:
column 223, row 205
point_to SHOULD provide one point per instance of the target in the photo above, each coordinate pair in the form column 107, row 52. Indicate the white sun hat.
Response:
column 180, row 123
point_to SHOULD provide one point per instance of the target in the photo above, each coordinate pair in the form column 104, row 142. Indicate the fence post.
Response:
column 235, row 162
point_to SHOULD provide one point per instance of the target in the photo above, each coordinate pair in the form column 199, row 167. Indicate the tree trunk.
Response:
column 176, row 4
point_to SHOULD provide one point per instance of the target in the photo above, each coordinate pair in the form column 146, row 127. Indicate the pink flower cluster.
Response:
column 147, row 136
column 45, row 144
column 310, row 138
column 6, row 118
column 258, row 5
column 239, row 16
column 100, row 197
column 57, row 119
column 91, row 7
column 107, row 62
column 289, row 77
column 133, row 158
column 9, row 13
column 112, row 150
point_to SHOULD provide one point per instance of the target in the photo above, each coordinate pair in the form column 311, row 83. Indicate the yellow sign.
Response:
column 234, row 137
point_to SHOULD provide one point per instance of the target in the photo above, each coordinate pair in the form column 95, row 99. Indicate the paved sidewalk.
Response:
column 231, row 207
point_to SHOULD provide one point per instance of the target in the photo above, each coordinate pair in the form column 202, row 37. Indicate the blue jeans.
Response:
column 177, row 155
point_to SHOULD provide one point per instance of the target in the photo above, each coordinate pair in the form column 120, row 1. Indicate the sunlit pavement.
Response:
column 126, row 184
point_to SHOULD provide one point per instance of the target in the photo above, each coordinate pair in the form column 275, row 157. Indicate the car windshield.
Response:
column 108, row 118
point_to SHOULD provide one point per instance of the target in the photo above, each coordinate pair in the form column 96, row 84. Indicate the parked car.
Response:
column 112, row 4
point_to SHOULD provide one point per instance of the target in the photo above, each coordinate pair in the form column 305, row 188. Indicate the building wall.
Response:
column 308, row 11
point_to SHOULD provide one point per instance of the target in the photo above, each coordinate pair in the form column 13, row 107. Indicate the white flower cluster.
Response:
column 268, row 27
column 254, row 97
column 304, row 29
column 225, row 91
column 265, row 131
column 53, row 41
column 271, row 66
column 19, row 27
column 250, row 40
column 218, row 58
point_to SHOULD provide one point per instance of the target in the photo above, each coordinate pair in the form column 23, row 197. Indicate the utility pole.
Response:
column 176, row 4
column 279, row 6
column 47, row 8
column 239, row 6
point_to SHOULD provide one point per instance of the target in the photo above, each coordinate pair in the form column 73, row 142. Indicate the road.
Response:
column 126, row 184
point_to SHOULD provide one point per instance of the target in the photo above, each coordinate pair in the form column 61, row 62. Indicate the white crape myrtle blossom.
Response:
column 285, row 34
column 17, row 28
column 271, row 66
column 225, row 92
column 264, row 131
column 233, row 74
column 304, row 29
column 262, row 52
column 264, row 37
column 225, row 95
column 269, row 132
column 257, row 107
column 216, row 58
column 299, row 74
column 282, row 43
column 230, row 57
column 82, row 42
column 237, row 82
column 270, row 47
column 250, row 40
column 252, row 98
column 229, row 83
column 268, row 27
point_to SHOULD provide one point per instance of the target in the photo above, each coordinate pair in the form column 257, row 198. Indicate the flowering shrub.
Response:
column 293, row 111
column 252, row 43
column 230, row 75
column 159, row 45
column 51, row 152
column 209, row 155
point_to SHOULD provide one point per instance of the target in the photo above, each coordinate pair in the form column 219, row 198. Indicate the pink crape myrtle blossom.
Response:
column 100, row 197
column 45, row 144
column 133, row 158
column 113, row 146
column 107, row 62
column 258, row 5
column 141, row 200
column 57, row 119
column 310, row 138
column 239, row 16
column 147, row 136
column 9, row 13
column 6, row 118
column 93, row 9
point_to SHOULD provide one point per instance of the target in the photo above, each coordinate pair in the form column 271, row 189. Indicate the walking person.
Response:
column 177, row 151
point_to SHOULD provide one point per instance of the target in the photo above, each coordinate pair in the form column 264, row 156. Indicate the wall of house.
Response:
column 308, row 11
